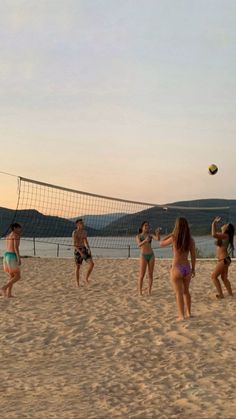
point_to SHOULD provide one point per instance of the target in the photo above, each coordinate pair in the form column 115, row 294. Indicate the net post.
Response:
column 34, row 246
column 128, row 251
column 58, row 249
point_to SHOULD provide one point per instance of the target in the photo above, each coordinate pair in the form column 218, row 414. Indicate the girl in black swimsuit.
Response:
column 224, row 249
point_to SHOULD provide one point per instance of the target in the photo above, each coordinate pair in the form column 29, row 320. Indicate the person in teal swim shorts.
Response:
column 147, row 257
column 12, row 259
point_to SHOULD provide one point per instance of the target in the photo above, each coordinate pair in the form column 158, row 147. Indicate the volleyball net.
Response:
column 48, row 212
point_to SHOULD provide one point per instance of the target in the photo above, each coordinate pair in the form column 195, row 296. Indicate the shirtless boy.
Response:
column 11, row 259
column 82, row 250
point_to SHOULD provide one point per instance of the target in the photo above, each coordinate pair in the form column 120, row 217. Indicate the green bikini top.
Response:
column 142, row 238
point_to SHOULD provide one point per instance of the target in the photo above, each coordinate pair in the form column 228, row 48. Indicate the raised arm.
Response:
column 141, row 243
column 167, row 241
column 214, row 232
column 157, row 234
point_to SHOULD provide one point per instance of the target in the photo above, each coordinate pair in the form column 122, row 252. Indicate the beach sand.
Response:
column 101, row 351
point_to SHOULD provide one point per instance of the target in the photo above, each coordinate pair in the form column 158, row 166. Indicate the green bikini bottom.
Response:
column 148, row 256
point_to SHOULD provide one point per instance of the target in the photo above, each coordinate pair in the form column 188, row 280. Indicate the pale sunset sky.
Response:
column 126, row 98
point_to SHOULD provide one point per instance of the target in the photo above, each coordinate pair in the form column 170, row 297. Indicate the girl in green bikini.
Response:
column 147, row 257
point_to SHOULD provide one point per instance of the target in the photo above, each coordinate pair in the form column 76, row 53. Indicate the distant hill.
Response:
column 36, row 224
column 199, row 221
column 100, row 220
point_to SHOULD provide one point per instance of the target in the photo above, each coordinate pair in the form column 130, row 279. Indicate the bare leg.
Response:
column 178, row 286
column 8, row 287
column 9, row 291
column 91, row 266
column 187, row 296
column 143, row 266
column 214, row 276
column 4, row 292
column 227, row 284
column 151, row 264
column 77, row 270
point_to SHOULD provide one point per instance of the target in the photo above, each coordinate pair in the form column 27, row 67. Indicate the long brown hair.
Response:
column 230, row 232
column 140, row 230
column 181, row 235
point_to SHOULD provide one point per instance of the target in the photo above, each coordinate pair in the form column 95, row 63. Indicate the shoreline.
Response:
column 112, row 258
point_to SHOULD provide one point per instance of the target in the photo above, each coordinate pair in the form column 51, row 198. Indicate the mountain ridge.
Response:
column 36, row 224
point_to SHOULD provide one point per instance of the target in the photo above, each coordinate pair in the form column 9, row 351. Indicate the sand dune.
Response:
column 103, row 352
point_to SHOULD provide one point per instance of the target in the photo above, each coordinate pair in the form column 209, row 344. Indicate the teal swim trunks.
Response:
column 10, row 263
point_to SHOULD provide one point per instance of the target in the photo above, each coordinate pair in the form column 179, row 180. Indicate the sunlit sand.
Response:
column 101, row 351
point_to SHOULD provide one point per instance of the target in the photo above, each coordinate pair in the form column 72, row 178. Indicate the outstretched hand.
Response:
column 217, row 220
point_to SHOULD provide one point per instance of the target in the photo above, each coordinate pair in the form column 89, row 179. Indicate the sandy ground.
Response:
column 103, row 352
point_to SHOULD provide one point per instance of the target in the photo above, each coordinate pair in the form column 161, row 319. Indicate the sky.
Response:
column 125, row 98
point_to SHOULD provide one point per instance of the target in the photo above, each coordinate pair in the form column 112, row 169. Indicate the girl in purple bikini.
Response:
column 181, row 270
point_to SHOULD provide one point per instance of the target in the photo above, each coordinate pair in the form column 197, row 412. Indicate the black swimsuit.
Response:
column 227, row 260
column 224, row 243
column 86, row 255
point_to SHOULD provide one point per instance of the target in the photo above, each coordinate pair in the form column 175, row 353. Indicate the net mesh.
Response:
column 48, row 213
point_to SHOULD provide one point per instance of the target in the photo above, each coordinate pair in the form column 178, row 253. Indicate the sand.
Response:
column 103, row 352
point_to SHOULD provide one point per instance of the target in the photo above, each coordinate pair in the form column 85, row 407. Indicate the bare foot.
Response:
column 4, row 292
column 189, row 316
column 11, row 296
column 180, row 319
column 219, row 296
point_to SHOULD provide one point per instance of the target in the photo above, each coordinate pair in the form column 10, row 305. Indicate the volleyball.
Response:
column 213, row 169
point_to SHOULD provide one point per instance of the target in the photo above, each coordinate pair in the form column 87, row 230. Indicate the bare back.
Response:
column 179, row 256
column 12, row 242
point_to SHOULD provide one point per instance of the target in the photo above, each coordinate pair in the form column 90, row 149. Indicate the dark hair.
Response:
column 15, row 225
column 181, row 234
column 230, row 232
column 79, row 221
column 141, row 227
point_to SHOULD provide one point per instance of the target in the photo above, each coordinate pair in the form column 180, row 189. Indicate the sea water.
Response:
column 113, row 247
